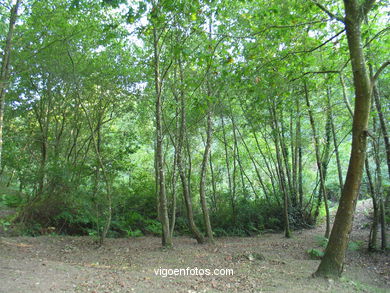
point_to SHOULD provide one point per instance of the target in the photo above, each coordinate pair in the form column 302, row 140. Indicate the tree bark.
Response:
column 333, row 261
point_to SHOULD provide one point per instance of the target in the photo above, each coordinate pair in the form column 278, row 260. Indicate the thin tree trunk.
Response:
column 5, row 68
column 107, row 181
column 254, row 163
column 237, row 152
column 319, row 166
column 231, row 194
column 202, row 184
column 271, row 174
column 164, row 218
column 213, row 183
column 285, row 157
column 174, row 200
column 294, row 161
column 335, row 144
column 382, row 212
column 372, row 241
column 345, row 98
column 185, row 181
column 299, row 150
column 382, row 122
column 283, row 186
column 379, row 189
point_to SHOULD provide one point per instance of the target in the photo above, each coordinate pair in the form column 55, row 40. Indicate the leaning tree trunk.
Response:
column 333, row 261
column 5, row 70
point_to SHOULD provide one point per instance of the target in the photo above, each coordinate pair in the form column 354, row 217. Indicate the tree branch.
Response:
column 381, row 68
column 314, row 72
column 315, row 48
column 323, row 8
column 366, row 7
column 264, row 30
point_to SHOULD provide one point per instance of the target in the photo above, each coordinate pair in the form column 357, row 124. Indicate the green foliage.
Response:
column 219, row 232
column 82, row 99
column 321, row 240
column 355, row 245
column 315, row 253
column 253, row 218
column 10, row 197
column 153, row 227
column 5, row 224
column 135, row 233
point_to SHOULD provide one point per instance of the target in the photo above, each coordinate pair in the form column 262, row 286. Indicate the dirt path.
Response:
column 75, row 264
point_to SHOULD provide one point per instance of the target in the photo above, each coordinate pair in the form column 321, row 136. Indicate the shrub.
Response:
column 153, row 227
column 315, row 253
column 321, row 240
column 135, row 233
column 355, row 245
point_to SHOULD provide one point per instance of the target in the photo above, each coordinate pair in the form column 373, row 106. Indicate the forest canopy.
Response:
column 203, row 118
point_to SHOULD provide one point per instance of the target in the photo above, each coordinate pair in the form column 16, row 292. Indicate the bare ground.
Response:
column 76, row 264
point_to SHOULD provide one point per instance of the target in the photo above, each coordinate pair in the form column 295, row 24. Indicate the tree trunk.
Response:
column 379, row 187
column 333, row 261
column 283, row 184
column 335, row 144
column 372, row 246
column 254, row 163
column 299, row 150
column 382, row 123
column 285, row 157
column 213, row 183
column 185, row 182
column 345, row 98
column 322, row 193
column 174, row 200
column 5, row 68
column 164, row 218
column 202, row 184
column 231, row 194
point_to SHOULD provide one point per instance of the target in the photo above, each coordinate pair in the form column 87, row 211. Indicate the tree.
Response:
column 333, row 261
column 158, row 77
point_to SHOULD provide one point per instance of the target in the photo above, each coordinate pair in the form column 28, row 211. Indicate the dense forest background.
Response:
column 214, row 117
